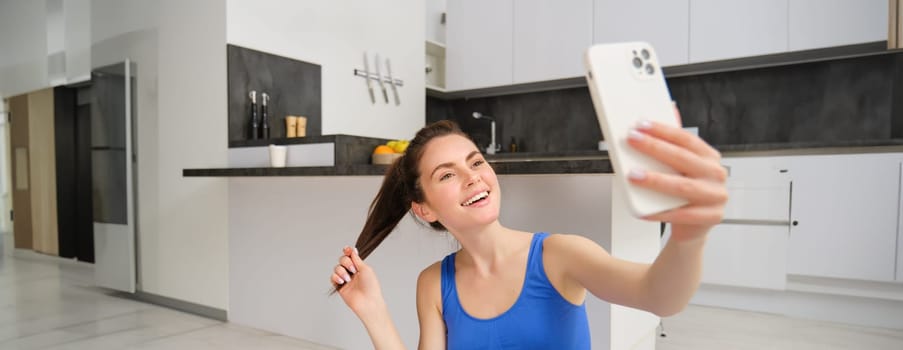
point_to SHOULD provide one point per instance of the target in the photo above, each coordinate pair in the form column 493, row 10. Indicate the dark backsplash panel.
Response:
column 552, row 121
column 846, row 99
column 293, row 86
column 897, row 97
column 824, row 101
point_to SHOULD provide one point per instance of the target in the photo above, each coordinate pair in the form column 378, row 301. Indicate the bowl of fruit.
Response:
column 389, row 152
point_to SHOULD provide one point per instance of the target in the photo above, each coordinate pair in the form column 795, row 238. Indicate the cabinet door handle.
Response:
column 795, row 223
column 755, row 222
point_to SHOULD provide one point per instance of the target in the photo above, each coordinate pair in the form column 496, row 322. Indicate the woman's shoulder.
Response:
column 429, row 285
column 431, row 273
column 564, row 242
column 565, row 251
column 430, row 278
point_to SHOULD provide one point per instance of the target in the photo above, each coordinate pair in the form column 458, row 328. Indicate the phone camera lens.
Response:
column 650, row 69
column 637, row 62
column 645, row 54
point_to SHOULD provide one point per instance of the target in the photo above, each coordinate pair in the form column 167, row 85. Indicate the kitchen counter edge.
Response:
column 565, row 162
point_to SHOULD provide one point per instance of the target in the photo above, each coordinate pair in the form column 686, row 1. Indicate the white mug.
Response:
column 277, row 156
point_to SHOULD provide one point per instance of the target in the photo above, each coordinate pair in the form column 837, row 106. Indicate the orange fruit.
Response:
column 383, row 149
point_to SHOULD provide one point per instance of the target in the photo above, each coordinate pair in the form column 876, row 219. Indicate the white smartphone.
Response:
column 627, row 86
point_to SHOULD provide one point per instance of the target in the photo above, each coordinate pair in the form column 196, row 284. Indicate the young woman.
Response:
column 509, row 289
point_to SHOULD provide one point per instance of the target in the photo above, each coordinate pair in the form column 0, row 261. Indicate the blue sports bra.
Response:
column 540, row 318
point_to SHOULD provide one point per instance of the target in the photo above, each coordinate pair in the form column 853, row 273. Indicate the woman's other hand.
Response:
column 700, row 179
column 357, row 284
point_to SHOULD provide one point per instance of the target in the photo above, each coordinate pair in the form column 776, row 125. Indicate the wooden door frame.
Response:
column 18, row 139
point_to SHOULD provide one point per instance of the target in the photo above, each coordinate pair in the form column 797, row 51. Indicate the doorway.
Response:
column 72, row 119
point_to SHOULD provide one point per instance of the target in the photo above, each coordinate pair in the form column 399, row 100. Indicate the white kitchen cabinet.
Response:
column 758, row 189
column 479, row 45
column 550, row 38
column 752, row 256
column 724, row 29
column 750, row 248
column 900, row 226
column 435, row 28
column 824, row 23
column 847, row 209
column 662, row 23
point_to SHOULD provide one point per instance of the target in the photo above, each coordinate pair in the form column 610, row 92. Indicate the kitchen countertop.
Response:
column 563, row 162
column 842, row 146
column 586, row 166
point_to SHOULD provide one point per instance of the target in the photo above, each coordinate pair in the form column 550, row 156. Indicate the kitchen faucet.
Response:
column 492, row 145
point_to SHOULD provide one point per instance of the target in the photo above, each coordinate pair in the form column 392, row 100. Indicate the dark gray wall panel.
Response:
column 294, row 88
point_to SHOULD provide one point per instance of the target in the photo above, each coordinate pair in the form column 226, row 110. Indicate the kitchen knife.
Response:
column 379, row 78
column 392, row 81
column 367, row 78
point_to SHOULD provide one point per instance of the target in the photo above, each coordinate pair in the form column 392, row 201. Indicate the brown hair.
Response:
column 400, row 187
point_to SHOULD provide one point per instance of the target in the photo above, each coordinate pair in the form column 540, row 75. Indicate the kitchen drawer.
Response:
column 758, row 201
column 749, row 247
column 752, row 256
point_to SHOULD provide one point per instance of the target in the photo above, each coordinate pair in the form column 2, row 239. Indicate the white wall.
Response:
column 181, row 95
column 23, row 46
column 179, row 52
column 41, row 41
column 55, row 25
column 47, row 43
column 185, row 255
column 56, row 38
column 77, row 44
column 114, row 18
column 334, row 35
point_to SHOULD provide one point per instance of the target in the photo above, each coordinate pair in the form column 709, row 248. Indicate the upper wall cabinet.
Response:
column 825, row 23
column 662, row 23
column 723, row 29
column 479, row 44
column 550, row 38
column 504, row 42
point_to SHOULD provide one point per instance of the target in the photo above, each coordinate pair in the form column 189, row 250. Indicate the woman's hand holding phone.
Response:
column 700, row 177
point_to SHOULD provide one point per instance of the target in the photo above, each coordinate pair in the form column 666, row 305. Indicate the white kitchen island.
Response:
column 286, row 234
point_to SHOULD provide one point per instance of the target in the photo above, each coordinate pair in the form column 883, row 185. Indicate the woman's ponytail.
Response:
column 400, row 188
column 392, row 202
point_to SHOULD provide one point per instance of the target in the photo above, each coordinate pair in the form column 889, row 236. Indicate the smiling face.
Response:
column 460, row 188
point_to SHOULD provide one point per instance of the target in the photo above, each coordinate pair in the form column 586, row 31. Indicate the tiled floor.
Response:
column 700, row 327
column 47, row 303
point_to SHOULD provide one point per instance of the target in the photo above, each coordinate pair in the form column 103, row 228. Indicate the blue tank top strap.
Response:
column 535, row 264
column 537, row 283
column 448, row 278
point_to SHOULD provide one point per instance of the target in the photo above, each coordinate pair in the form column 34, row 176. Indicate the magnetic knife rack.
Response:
column 378, row 76
column 373, row 76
